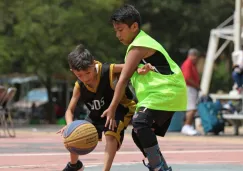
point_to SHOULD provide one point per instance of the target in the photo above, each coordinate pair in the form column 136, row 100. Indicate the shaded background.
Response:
column 36, row 37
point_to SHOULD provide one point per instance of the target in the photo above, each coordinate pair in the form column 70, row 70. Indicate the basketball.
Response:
column 80, row 137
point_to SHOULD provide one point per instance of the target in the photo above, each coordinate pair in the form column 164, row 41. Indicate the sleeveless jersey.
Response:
column 156, row 90
column 98, row 101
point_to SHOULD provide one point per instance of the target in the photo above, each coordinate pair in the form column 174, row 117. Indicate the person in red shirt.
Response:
column 192, row 79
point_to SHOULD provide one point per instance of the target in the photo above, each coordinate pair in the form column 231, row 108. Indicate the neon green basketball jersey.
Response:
column 154, row 90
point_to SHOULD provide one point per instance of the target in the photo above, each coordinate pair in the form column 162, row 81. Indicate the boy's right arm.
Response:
column 71, row 107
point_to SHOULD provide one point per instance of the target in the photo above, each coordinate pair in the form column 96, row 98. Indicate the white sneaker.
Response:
column 197, row 133
column 188, row 130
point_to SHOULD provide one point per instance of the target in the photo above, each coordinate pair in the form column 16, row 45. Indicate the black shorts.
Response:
column 118, row 132
column 158, row 120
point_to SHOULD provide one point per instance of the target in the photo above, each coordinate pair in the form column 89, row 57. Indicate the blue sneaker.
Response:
column 150, row 169
column 77, row 167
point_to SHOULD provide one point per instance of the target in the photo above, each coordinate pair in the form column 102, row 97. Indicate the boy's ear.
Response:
column 134, row 27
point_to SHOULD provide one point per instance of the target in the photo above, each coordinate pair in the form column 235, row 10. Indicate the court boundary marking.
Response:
column 121, row 153
column 91, row 165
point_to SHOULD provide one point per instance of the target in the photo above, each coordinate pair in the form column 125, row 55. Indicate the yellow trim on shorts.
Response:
column 131, row 105
column 117, row 134
column 128, row 103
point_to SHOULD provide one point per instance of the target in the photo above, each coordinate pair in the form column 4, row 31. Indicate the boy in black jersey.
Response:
column 95, row 88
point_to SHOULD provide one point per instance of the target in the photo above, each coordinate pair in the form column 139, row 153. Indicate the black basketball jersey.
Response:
column 159, row 62
column 98, row 101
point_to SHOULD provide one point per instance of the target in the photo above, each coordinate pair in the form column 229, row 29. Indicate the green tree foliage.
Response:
column 37, row 35
column 183, row 23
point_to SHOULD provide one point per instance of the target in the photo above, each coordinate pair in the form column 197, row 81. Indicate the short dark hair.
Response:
column 194, row 52
column 126, row 14
column 80, row 58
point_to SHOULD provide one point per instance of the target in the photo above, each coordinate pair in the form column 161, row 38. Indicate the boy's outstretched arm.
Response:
column 142, row 71
column 71, row 107
column 117, row 68
column 133, row 58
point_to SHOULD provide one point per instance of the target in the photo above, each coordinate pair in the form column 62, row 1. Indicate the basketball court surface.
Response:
column 41, row 149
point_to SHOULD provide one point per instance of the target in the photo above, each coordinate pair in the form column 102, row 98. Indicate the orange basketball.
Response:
column 80, row 137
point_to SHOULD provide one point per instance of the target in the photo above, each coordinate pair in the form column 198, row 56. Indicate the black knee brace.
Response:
column 142, row 124
column 146, row 140
column 137, row 142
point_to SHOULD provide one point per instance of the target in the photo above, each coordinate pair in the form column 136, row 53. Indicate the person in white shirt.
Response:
column 237, row 74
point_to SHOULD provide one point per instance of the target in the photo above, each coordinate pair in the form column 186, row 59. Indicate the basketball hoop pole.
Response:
column 229, row 33
column 237, row 25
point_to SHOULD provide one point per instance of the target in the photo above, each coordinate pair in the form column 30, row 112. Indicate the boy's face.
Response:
column 86, row 76
column 124, row 33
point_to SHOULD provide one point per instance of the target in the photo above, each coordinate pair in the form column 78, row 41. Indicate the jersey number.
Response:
column 97, row 104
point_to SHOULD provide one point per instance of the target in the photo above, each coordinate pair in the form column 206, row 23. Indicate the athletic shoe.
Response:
column 77, row 167
column 160, row 169
column 189, row 130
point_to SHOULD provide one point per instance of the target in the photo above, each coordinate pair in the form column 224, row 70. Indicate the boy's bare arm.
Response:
column 117, row 68
column 133, row 58
column 72, row 105
column 71, row 108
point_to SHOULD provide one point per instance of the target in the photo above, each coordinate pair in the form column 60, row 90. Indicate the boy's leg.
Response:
column 113, row 143
column 74, row 158
column 137, row 142
column 142, row 123
column 110, row 151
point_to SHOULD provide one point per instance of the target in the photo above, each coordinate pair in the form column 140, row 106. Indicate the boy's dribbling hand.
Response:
column 61, row 130
column 110, row 118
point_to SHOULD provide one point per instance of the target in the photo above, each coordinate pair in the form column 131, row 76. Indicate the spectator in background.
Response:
column 192, row 79
column 59, row 109
column 237, row 74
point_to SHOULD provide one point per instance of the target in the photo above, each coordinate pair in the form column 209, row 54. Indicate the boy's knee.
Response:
column 110, row 139
column 140, row 121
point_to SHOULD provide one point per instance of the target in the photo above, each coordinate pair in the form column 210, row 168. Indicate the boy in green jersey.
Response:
column 160, row 92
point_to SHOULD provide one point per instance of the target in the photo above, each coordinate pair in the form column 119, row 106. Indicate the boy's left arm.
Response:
column 133, row 58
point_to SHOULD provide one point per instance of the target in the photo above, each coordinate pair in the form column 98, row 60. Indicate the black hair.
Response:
column 80, row 58
column 126, row 14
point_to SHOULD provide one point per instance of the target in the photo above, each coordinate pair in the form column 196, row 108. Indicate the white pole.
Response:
column 237, row 25
column 208, row 65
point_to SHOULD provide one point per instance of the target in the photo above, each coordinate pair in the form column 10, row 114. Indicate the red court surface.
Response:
column 43, row 150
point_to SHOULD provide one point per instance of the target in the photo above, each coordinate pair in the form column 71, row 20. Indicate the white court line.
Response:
column 53, row 165
column 114, row 164
column 121, row 153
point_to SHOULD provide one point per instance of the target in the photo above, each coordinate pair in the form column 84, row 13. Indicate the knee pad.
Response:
column 137, row 142
column 144, row 135
column 142, row 123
